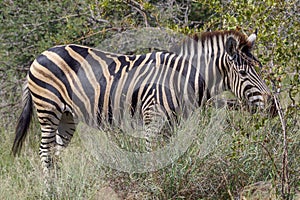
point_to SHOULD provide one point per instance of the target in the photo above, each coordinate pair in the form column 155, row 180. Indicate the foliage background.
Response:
column 29, row 27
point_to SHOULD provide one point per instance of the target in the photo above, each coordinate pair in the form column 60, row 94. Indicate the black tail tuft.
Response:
column 23, row 122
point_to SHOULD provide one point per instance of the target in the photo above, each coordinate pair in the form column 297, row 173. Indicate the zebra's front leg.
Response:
column 150, row 135
column 154, row 119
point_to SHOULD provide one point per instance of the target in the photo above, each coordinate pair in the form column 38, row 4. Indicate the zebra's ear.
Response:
column 252, row 37
column 230, row 46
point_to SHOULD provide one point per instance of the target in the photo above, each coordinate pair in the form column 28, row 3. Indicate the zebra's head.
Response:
column 243, row 79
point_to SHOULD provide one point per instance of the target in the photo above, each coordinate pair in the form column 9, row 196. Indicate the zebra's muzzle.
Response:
column 269, row 104
column 263, row 102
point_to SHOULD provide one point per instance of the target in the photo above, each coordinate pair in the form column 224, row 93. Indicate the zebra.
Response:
column 71, row 83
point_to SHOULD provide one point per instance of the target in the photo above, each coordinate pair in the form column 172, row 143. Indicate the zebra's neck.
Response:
column 207, row 56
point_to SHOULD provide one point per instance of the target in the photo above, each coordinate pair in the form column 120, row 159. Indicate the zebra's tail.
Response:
column 24, row 121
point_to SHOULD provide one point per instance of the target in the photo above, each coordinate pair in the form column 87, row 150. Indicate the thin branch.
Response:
column 285, row 187
column 97, row 18
column 291, row 96
column 98, row 32
column 36, row 26
column 60, row 19
column 186, row 14
column 139, row 8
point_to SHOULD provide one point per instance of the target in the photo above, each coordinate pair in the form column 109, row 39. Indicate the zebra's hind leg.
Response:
column 57, row 131
column 49, row 122
column 56, row 135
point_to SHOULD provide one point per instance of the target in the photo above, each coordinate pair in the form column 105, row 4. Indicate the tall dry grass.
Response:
column 231, row 150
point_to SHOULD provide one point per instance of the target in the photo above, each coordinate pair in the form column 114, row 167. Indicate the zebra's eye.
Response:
column 243, row 73
column 233, row 57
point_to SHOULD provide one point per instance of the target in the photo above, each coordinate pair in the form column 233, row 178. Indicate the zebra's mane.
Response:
column 242, row 39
